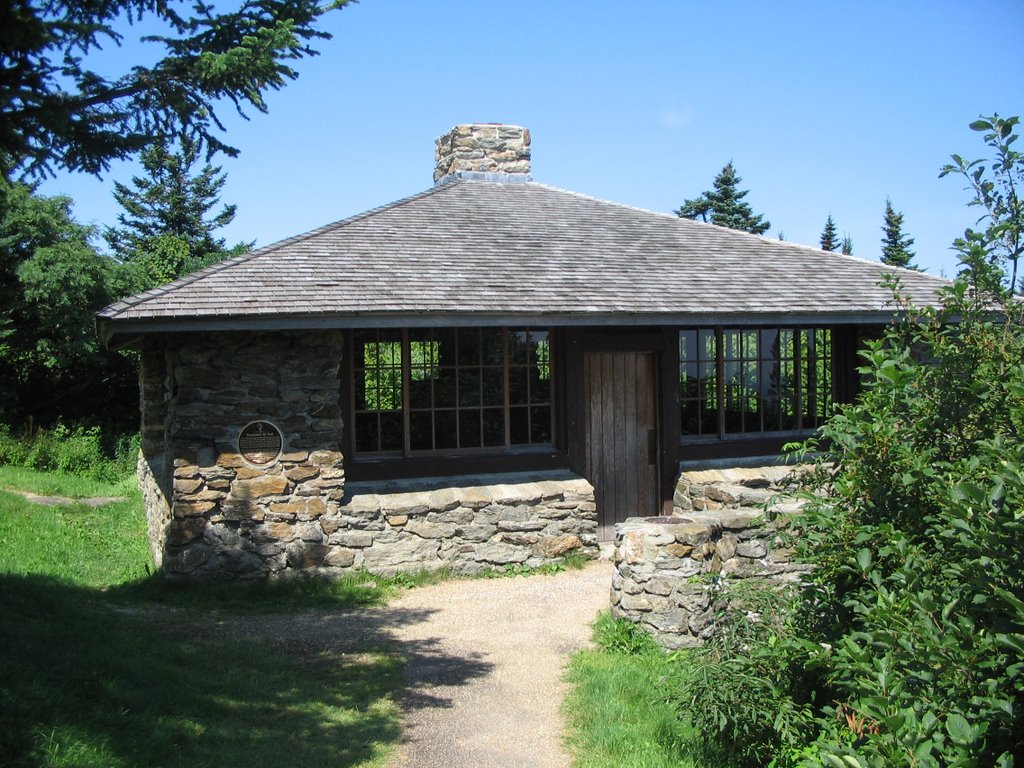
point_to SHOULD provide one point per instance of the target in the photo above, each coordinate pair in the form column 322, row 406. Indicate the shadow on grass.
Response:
column 90, row 681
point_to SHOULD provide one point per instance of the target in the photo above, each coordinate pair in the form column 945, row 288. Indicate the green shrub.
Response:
column 72, row 450
column 623, row 636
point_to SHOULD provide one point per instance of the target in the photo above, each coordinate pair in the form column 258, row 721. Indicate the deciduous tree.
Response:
column 996, row 184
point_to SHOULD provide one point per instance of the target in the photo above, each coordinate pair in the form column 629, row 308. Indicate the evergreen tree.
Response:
column 724, row 205
column 57, row 113
column 846, row 248
column 896, row 245
column 167, row 228
column 830, row 235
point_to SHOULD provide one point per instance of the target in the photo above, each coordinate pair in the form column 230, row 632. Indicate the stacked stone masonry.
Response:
column 213, row 515
column 483, row 148
column 672, row 573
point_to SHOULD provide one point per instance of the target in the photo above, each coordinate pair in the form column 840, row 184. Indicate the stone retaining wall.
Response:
column 672, row 573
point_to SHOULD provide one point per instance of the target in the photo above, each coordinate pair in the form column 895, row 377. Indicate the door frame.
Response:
column 664, row 344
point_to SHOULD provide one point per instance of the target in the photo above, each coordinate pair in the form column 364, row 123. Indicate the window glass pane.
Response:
column 391, row 432
column 540, row 386
column 494, row 386
column 518, row 347
column 469, row 346
column 540, row 424
column 469, row 386
column 444, row 388
column 493, row 346
column 519, row 426
column 518, row 394
column 446, row 346
column 420, row 431
column 366, row 432
column 446, row 431
column 494, row 427
column 540, row 354
column 469, row 428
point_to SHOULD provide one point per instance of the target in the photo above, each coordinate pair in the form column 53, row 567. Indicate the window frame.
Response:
column 407, row 452
column 807, row 390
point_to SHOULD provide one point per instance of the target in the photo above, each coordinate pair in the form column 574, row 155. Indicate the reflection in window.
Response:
column 466, row 388
column 749, row 380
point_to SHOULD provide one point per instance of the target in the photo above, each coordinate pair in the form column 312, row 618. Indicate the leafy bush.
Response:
column 623, row 636
column 79, row 450
column 740, row 693
column 907, row 646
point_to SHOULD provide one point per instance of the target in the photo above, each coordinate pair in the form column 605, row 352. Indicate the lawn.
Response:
column 102, row 665
column 616, row 712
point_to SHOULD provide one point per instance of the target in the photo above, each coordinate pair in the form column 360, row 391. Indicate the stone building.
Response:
column 492, row 371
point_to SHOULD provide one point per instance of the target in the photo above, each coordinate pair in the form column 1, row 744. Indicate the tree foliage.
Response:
column 169, row 219
column 829, row 235
column 995, row 184
column 846, row 246
column 56, row 112
column 724, row 205
column 906, row 647
column 895, row 244
column 52, row 281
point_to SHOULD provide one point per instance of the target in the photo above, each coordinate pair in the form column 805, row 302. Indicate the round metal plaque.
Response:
column 260, row 442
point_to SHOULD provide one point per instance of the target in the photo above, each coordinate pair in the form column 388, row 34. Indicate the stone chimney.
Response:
column 489, row 151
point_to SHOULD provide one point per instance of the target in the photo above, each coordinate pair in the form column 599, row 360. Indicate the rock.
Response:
column 357, row 539
column 306, row 555
column 559, row 545
column 340, row 558
column 267, row 485
column 409, row 553
column 500, row 553
column 753, row 549
column 726, row 546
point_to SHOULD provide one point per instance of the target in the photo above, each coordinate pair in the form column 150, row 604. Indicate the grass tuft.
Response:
column 615, row 711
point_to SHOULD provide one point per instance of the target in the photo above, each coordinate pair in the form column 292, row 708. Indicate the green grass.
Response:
column 616, row 712
column 60, row 484
column 104, row 666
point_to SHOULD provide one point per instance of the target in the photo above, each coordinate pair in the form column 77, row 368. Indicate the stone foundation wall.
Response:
column 214, row 515
column 470, row 525
column 672, row 574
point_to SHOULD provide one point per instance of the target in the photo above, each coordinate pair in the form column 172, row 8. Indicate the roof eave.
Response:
column 111, row 329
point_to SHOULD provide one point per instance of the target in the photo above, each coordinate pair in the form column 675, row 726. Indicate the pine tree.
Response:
column 895, row 245
column 167, row 226
column 847, row 246
column 724, row 205
column 830, row 235
column 60, row 113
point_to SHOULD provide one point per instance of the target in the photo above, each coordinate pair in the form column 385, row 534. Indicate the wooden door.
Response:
column 621, row 436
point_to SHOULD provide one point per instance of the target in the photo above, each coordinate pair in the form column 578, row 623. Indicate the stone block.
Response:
column 559, row 546
column 726, row 546
column 187, row 560
column 753, row 549
column 500, row 553
column 257, row 487
column 303, row 554
column 340, row 558
column 407, row 553
column 634, row 603
column 298, row 474
column 430, row 530
column 355, row 539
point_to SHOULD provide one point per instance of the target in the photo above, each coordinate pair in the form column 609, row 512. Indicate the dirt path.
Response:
column 513, row 637
column 484, row 661
column 64, row 501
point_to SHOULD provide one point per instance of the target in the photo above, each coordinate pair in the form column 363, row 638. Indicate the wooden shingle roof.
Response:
column 492, row 252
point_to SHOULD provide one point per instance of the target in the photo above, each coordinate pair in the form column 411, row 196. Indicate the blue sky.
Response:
column 823, row 108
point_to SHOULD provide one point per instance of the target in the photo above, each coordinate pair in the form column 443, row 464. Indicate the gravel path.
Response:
column 484, row 661
column 486, row 684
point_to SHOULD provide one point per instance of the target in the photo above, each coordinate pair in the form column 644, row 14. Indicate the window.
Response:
column 446, row 389
column 750, row 380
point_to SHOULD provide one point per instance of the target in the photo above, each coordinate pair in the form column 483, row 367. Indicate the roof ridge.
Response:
column 115, row 308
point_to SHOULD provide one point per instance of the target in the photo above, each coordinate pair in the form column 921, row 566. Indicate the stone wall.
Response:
column 672, row 573
column 213, row 514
